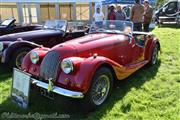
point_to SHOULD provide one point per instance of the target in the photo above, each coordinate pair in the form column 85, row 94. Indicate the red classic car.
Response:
column 87, row 67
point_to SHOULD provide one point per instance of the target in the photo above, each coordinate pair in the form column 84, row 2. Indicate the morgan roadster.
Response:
column 87, row 67
column 13, row 47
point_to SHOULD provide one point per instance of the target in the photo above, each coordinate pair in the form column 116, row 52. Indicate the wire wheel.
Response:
column 100, row 89
column 155, row 55
column 18, row 56
column 19, row 59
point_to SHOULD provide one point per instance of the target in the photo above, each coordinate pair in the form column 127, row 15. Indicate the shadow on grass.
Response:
column 4, row 72
column 62, row 105
column 151, row 29
column 136, row 80
column 177, row 26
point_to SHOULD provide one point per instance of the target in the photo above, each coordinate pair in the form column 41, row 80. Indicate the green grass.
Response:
column 152, row 93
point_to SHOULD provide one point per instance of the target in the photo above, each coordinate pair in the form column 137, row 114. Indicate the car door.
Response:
column 19, row 28
column 49, row 40
column 55, row 39
column 14, row 29
column 124, row 51
column 170, row 12
column 138, row 49
column 127, row 53
column 171, row 9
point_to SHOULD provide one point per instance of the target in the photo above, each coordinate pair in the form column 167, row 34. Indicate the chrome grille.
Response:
column 50, row 66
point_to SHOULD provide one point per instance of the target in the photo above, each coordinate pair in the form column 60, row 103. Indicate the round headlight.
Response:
column 34, row 57
column 1, row 46
column 67, row 66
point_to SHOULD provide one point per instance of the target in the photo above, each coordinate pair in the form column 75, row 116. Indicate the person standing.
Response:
column 148, row 13
column 120, row 15
column 137, row 15
column 127, row 11
column 98, row 15
column 112, row 14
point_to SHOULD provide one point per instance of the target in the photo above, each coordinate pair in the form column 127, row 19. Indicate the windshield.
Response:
column 6, row 22
column 76, row 26
column 112, row 26
column 55, row 25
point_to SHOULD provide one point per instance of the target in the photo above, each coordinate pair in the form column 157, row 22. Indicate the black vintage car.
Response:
column 169, row 12
column 8, row 26
column 13, row 47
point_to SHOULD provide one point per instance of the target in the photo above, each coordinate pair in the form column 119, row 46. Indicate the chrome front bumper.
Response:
column 58, row 90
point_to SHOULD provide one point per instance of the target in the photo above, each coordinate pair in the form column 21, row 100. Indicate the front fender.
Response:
column 31, row 68
column 7, row 53
column 84, row 71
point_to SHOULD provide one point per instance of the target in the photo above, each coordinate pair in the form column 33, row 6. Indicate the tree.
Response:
column 160, row 2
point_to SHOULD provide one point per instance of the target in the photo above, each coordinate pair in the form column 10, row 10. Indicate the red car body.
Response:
column 87, row 67
column 121, row 53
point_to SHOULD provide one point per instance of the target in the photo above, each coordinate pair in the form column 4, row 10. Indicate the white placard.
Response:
column 20, row 88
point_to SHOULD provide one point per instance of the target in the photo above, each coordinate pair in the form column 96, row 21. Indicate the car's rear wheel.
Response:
column 154, row 56
column 18, row 56
column 100, row 89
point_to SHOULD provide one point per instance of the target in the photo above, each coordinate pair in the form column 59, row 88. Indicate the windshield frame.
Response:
column 114, row 31
column 76, row 26
column 10, row 21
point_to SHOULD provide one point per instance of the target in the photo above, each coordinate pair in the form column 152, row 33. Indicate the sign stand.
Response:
column 20, row 88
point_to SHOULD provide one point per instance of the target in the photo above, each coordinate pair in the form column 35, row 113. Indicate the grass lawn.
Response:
column 152, row 93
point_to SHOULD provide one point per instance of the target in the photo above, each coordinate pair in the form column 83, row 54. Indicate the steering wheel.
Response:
column 101, row 30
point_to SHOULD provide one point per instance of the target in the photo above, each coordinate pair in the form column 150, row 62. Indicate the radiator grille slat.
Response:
column 50, row 66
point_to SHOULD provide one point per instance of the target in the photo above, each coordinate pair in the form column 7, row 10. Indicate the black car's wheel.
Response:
column 154, row 56
column 100, row 89
column 18, row 56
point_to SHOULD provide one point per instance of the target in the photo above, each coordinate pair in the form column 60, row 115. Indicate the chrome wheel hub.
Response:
column 100, row 89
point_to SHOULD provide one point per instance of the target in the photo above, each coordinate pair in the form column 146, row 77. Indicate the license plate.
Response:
column 47, row 94
column 20, row 88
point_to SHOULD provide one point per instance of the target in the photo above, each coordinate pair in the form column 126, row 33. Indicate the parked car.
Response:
column 169, row 12
column 13, row 47
column 8, row 26
column 87, row 67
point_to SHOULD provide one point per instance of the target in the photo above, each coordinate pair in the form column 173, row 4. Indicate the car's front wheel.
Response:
column 18, row 56
column 100, row 89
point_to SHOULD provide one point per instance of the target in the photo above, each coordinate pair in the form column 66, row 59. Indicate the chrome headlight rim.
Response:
column 67, row 66
column 1, row 46
column 34, row 56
